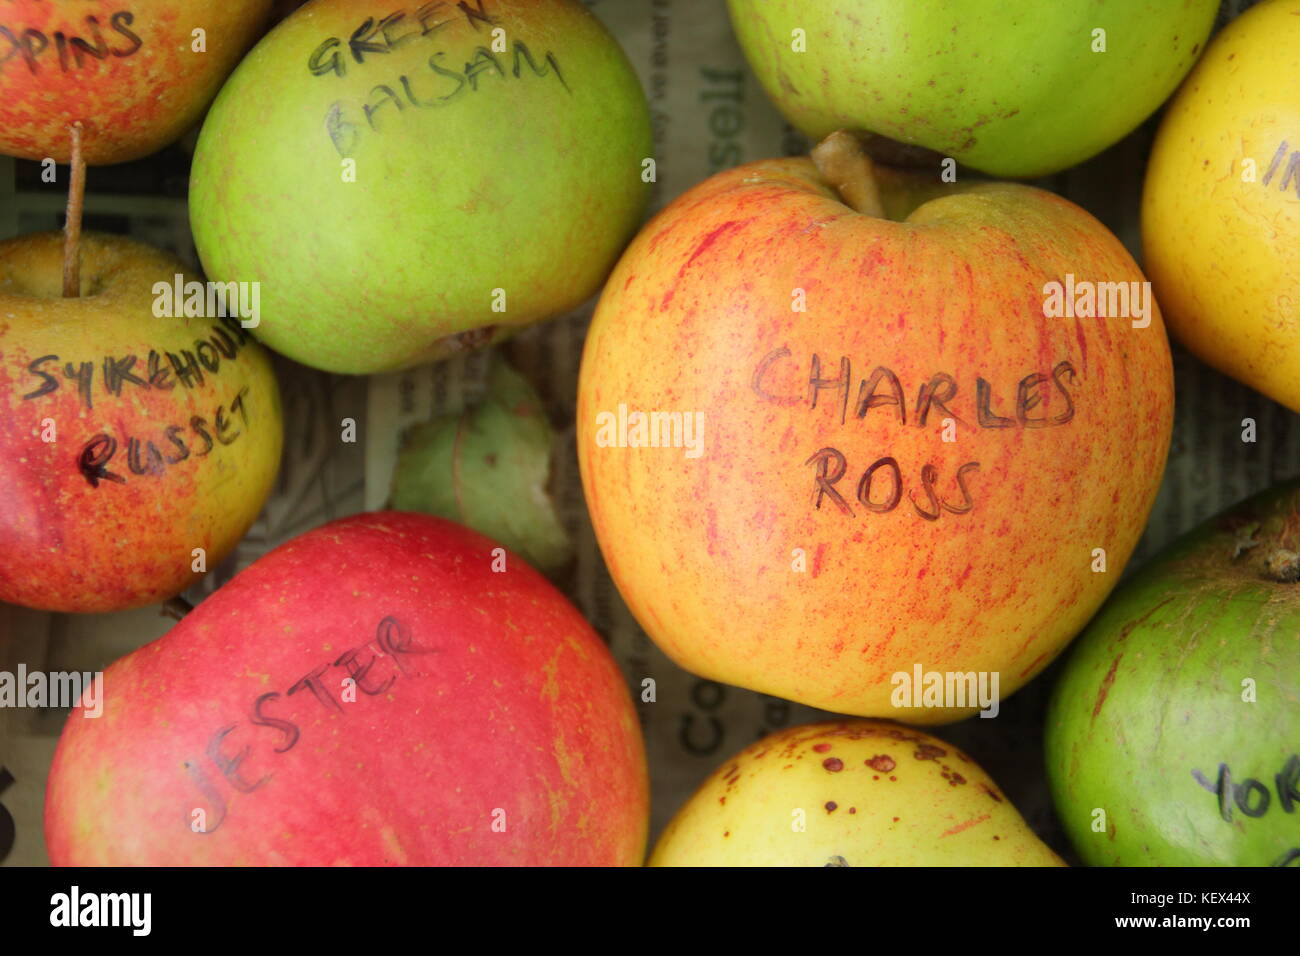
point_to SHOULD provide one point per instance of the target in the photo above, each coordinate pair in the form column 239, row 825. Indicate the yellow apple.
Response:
column 1221, row 207
column 850, row 793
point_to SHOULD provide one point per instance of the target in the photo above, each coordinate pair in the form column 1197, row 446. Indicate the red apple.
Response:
column 136, row 75
column 136, row 448
column 889, row 444
column 390, row 688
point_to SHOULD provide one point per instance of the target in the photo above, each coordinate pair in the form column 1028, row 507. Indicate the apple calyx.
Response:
column 72, row 221
column 843, row 162
column 1270, row 541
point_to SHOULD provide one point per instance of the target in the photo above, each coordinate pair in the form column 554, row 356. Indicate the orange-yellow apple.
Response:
column 850, row 793
column 390, row 688
column 136, row 75
column 129, row 440
column 838, row 439
column 1221, row 204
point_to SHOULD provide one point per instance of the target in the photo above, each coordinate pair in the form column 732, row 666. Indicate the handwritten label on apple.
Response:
column 443, row 84
column 36, row 49
column 159, row 371
column 240, row 751
column 883, row 388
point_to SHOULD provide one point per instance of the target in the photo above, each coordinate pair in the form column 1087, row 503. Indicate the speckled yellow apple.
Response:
column 850, row 793
column 1221, row 206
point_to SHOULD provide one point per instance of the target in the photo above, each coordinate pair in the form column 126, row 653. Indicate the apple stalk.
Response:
column 845, row 165
column 72, row 221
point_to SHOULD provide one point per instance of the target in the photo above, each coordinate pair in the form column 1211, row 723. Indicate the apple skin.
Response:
column 492, row 694
column 143, row 94
column 67, row 544
column 697, row 318
column 872, row 793
column 1221, row 251
column 525, row 183
column 1009, row 87
column 1153, row 693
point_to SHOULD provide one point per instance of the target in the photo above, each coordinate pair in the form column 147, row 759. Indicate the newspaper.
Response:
column 709, row 112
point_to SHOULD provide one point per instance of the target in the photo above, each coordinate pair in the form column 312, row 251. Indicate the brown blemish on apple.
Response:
column 822, row 748
column 882, row 762
column 1105, row 685
column 467, row 341
column 831, row 806
column 833, row 764
column 929, row 752
column 991, row 792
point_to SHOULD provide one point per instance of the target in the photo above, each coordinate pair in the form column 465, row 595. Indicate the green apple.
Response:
column 1173, row 737
column 488, row 467
column 409, row 181
column 1016, row 88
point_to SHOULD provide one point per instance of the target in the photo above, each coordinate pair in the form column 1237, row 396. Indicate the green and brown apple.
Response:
column 1173, row 737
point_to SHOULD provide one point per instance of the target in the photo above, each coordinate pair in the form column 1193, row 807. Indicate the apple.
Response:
column 1017, row 88
column 390, row 688
column 129, row 440
column 1177, row 714
column 489, row 467
column 1221, row 204
column 136, row 75
column 863, row 414
column 411, row 181
column 850, row 793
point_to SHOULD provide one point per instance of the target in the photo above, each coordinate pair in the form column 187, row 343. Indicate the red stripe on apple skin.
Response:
column 966, row 275
column 505, row 700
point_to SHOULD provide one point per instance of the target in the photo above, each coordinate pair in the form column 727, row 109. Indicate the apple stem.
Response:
column 176, row 608
column 844, row 163
column 72, row 221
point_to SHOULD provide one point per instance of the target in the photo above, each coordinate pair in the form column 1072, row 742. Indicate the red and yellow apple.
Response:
column 136, row 75
column 128, row 440
column 825, row 444
column 390, row 688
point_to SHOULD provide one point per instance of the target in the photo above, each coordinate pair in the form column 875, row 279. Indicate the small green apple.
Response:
column 1017, row 88
column 412, row 181
column 488, row 468
column 1173, row 737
